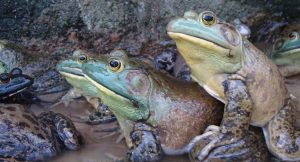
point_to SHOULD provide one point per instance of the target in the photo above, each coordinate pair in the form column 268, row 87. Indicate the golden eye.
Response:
column 115, row 65
column 82, row 58
column 208, row 18
column 293, row 36
column 5, row 78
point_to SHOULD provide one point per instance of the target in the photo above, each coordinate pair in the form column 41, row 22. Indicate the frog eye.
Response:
column 115, row 65
column 208, row 18
column 5, row 78
column 293, row 36
column 82, row 58
column 278, row 44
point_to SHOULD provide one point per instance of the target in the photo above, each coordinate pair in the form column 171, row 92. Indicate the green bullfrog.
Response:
column 26, row 137
column 13, row 83
column 71, row 70
column 286, row 54
column 157, row 113
column 235, row 72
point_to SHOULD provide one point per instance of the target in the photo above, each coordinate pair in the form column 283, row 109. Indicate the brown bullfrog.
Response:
column 157, row 113
column 234, row 71
column 25, row 136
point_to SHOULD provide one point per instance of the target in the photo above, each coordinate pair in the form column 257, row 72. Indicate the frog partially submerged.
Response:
column 234, row 71
column 71, row 70
column 157, row 113
column 13, row 83
column 286, row 54
column 25, row 136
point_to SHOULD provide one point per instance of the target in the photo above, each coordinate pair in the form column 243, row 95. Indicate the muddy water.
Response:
column 100, row 140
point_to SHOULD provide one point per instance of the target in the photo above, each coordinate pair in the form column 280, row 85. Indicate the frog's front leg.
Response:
column 236, row 118
column 146, row 146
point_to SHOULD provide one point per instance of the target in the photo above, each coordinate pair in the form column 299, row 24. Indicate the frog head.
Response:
column 71, row 70
column 207, row 44
column 123, row 83
column 13, row 83
column 287, row 50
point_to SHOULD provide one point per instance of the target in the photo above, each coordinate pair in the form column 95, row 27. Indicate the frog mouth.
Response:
column 202, row 42
column 290, row 51
column 71, row 72
column 108, row 91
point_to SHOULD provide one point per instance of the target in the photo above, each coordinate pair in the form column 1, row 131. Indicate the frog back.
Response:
column 265, row 84
column 181, row 110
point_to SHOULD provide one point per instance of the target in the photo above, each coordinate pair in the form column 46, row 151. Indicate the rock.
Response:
column 166, row 60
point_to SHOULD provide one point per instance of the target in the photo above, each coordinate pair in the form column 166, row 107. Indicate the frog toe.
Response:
column 212, row 128
column 207, row 149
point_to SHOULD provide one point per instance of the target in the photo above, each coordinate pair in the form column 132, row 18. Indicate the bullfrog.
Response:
column 13, row 83
column 157, row 113
column 26, row 137
column 71, row 70
column 286, row 54
column 234, row 71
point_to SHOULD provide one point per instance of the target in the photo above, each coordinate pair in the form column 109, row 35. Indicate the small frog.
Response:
column 234, row 71
column 286, row 54
column 156, row 112
column 13, row 83
column 25, row 136
column 71, row 70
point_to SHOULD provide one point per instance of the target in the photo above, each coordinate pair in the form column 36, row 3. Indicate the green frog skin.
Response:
column 71, row 70
column 151, row 105
column 286, row 54
column 234, row 71
column 3, row 67
column 13, row 83
column 26, row 137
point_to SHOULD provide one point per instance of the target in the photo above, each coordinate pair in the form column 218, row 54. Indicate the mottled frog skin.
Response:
column 27, row 137
column 157, row 113
column 234, row 71
column 13, row 83
column 286, row 54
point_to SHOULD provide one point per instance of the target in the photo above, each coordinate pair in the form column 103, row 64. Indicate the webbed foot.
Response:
column 146, row 147
column 67, row 132
column 62, row 128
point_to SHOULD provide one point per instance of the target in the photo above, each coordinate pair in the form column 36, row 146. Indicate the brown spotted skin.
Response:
column 251, row 148
column 281, row 137
column 235, row 127
column 27, row 137
column 264, row 83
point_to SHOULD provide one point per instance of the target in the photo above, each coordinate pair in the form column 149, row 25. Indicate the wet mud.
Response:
column 100, row 140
